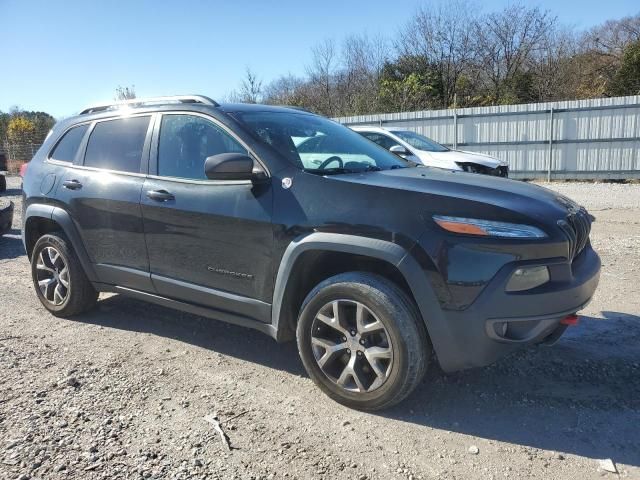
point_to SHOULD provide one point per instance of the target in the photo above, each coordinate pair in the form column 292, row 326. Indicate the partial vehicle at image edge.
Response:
column 6, row 215
column 4, row 167
column 289, row 223
column 6, row 206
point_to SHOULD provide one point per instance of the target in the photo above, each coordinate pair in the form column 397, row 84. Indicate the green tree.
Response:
column 410, row 83
column 627, row 78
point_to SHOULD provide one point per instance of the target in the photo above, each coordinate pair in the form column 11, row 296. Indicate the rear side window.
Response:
column 67, row 147
column 185, row 143
column 117, row 144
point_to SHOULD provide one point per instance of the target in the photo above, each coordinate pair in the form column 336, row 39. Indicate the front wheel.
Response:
column 361, row 341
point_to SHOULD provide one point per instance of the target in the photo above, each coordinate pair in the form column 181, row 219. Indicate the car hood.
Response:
column 455, row 189
column 462, row 156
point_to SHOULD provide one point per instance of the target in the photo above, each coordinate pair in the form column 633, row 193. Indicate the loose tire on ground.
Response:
column 391, row 322
column 79, row 295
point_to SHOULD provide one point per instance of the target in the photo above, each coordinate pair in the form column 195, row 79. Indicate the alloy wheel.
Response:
column 351, row 346
column 52, row 276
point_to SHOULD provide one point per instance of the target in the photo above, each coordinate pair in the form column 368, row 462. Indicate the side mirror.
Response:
column 229, row 166
column 399, row 150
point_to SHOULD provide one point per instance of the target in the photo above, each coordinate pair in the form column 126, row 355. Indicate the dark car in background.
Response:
column 6, row 206
column 3, row 171
column 375, row 265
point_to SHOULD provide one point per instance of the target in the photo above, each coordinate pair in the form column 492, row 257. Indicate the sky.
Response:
column 59, row 56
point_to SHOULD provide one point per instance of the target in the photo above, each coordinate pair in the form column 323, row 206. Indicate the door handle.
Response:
column 72, row 184
column 160, row 195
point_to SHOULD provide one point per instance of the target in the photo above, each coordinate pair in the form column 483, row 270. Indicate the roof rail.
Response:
column 138, row 102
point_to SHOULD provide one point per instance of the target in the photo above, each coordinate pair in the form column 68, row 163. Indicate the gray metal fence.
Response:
column 584, row 139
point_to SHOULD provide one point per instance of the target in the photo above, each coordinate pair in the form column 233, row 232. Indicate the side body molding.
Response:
column 392, row 253
column 62, row 218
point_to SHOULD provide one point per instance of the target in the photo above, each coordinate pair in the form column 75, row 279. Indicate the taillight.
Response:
column 23, row 169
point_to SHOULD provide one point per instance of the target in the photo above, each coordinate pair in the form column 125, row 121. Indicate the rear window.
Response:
column 67, row 147
column 117, row 144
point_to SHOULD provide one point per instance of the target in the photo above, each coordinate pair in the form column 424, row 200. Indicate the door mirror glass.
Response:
column 399, row 150
column 229, row 166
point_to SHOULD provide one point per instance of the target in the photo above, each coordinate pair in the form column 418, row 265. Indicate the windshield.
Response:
column 420, row 142
column 317, row 144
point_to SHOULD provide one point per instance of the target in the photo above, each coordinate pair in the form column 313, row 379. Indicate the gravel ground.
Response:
column 122, row 392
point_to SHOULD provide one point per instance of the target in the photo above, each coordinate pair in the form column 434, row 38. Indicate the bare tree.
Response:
column 443, row 35
column 358, row 82
column 601, row 54
column 507, row 43
column 612, row 37
column 554, row 71
column 284, row 90
column 321, row 73
column 125, row 93
column 250, row 88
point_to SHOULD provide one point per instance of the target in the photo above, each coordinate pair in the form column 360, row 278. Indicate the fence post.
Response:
column 455, row 121
column 550, row 160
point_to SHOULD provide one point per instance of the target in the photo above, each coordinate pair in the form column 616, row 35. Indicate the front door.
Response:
column 387, row 142
column 209, row 242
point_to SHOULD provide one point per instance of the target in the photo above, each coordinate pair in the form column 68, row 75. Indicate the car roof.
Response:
column 224, row 108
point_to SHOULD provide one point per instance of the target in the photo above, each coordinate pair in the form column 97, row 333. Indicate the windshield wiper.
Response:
column 339, row 170
column 329, row 171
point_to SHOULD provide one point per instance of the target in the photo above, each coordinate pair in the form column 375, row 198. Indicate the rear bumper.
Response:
column 6, row 217
column 498, row 323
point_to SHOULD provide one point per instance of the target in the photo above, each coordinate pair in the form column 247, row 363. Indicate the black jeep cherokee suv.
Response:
column 375, row 265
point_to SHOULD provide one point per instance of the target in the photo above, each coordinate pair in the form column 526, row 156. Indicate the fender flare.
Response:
column 62, row 218
column 426, row 300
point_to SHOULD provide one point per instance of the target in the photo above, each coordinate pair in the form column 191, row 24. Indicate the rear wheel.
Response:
column 361, row 341
column 3, row 183
column 60, row 282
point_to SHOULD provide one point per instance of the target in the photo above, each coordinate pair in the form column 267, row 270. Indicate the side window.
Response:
column 185, row 143
column 117, row 144
column 380, row 139
column 67, row 147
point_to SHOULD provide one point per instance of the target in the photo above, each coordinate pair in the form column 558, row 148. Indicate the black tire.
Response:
column 405, row 331
column 3, row 183
column 80, row 296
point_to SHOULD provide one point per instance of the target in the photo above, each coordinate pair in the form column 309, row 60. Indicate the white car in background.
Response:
column 420, row 149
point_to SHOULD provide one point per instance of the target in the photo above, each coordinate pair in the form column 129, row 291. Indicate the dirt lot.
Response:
column 122, row 392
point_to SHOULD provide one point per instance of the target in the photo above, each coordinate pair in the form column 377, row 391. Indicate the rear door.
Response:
column 102, row 193
column 210, row 242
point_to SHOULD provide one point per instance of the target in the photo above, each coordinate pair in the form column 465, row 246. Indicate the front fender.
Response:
column 414, row 275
